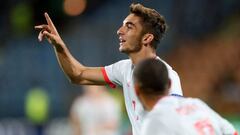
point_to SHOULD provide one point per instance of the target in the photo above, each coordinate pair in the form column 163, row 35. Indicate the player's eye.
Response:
column 129, row 26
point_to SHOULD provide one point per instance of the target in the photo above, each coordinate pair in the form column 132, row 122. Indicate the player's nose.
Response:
column 120, row 31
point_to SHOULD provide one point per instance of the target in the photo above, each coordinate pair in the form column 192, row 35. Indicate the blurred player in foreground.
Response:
column 95, row 112
column 171, row 115
column 139, row 36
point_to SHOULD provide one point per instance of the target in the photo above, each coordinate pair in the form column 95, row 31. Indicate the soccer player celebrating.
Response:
column 171, row 115
column 139, row 36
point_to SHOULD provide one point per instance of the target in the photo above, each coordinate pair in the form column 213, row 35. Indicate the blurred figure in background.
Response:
column 96, row 112
column 37, row 108
column 171, row 115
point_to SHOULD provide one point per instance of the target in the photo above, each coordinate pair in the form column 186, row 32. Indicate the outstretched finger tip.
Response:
column 46, row 14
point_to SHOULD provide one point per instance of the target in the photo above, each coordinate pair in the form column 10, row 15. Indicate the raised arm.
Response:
column 76, row 72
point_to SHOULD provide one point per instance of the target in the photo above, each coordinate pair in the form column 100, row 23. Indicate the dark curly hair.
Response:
column 151, row 76
column 152, row 22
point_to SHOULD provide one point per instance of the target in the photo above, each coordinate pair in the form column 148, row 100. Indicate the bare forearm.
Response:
column 76, row 72
column 70, row 66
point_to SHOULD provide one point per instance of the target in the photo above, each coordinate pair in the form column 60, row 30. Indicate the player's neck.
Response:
column 151, row 101
column 142, row 54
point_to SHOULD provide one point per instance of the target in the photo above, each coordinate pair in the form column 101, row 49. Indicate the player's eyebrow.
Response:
column 130, row 23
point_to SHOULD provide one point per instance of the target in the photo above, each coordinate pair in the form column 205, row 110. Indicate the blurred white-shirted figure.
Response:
column 172, row 115
column 96, row 112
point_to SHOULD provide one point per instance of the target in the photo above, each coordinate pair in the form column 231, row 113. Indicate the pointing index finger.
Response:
column 50, row 23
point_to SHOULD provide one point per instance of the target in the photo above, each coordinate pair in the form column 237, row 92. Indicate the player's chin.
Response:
column 122, row 49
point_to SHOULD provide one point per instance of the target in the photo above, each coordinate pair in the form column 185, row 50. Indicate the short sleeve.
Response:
column 114, row 73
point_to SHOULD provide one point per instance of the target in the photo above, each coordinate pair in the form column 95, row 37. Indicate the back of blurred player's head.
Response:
column 152, row 22
column 151, row 77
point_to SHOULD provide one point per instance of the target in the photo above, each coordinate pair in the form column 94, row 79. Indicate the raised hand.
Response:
column 49, row 31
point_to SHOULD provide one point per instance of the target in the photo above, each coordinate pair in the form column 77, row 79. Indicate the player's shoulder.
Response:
column 194, row 100
column 126, row 63
column 161, row 114
column 164, row 106
column 166, row 64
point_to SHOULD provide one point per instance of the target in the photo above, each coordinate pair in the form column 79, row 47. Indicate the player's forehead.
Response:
column 133, row 19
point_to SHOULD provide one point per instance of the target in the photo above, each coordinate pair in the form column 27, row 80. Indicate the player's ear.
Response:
column 147, row 38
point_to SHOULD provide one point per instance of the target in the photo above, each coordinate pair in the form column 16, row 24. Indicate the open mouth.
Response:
column 122, row 41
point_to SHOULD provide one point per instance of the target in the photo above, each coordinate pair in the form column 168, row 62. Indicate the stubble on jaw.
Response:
column 134, row 47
